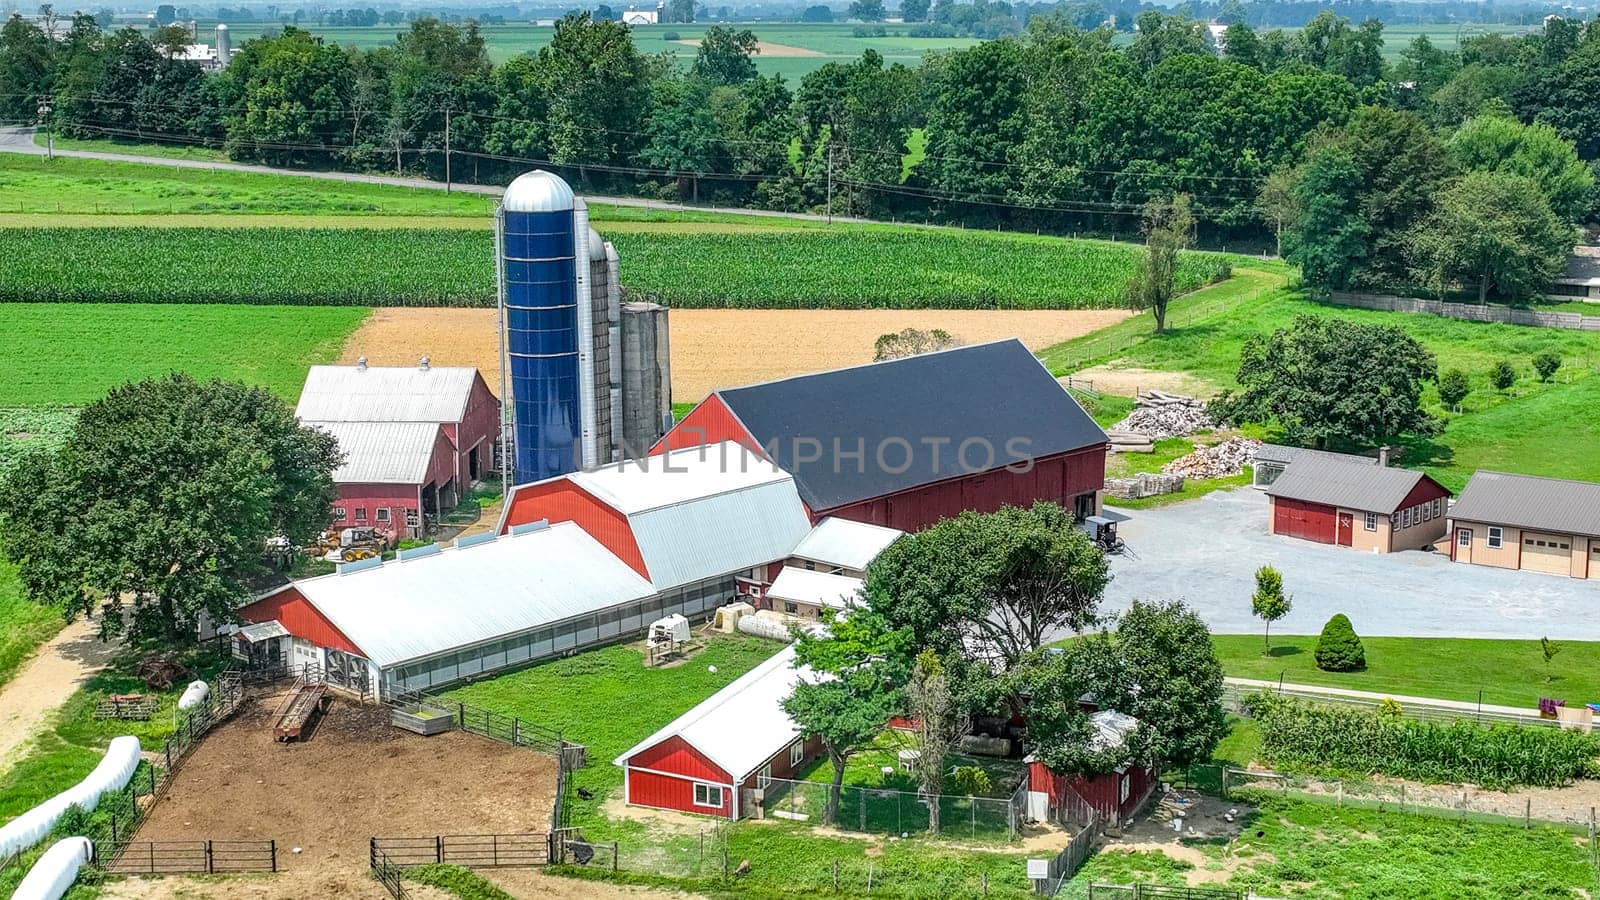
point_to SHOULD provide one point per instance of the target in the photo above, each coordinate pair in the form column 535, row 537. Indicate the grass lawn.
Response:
column 1317, row 851
column 135, row 148
column 24, row 625
column 1510, row 673
column 70, row 354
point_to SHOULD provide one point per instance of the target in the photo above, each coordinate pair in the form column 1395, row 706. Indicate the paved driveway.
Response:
column 1205, row 552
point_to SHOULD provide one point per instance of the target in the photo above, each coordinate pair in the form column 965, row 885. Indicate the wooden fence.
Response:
column 1065, row 864
column 1472, row 312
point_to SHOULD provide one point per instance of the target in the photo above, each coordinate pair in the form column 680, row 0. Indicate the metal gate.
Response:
column 474, row 851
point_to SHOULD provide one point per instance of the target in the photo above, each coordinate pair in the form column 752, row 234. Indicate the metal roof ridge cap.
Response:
column 880, row 362
column 738, row 489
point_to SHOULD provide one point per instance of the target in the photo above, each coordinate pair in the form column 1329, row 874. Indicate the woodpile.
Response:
column 1218, row 461
column 1144, row 484
column 1130, row 442
column 1158, row 415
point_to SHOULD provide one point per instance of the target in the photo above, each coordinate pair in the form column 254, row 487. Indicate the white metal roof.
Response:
column 402, row 611
column 382, row 452
column 846, row 544
column 815, row 588
column 679, row 476
column 741, row 726
column 386, row 394
column 538, row 191
column 263, row 631
column 1111, row 729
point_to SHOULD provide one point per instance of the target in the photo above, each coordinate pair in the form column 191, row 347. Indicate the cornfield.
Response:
column 1297, row 734
column 801, row 269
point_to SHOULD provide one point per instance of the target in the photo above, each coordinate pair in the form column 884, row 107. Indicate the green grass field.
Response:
column 1509, row 673
column 24, row 625
column 70, row 354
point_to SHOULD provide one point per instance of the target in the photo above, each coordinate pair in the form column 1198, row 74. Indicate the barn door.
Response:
column 1347, row 523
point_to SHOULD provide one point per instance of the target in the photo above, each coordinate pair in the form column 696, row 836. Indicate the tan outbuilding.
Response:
column 1527, row 522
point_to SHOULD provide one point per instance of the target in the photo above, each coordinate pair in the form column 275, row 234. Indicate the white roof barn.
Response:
column 820, row 589
column 382, row 452
column 363, row 393
column 845, row 544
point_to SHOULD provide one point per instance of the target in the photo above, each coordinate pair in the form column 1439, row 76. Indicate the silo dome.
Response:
column 538, row 191
column 597, row 246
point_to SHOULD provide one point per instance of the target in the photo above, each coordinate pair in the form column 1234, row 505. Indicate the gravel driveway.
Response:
column 1205, row 552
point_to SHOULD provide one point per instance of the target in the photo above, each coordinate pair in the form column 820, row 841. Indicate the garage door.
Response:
column 1308, row 521
column 1547, row 553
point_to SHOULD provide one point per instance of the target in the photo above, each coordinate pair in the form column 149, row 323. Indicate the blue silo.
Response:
column 540, row 283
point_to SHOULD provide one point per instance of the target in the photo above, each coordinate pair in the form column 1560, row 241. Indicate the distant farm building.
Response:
column 1580, row 280
column 414, row 439
column 908, row 442
column 1352, row 503
column 717, row 758
column 842, row 546
column 1526, row 522
column 1114, row 796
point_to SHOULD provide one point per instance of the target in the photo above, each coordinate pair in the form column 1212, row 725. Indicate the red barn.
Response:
column 414, row 439
column 1350, row 502
column 907, row 442
column 1114, row 796
column 716, row 759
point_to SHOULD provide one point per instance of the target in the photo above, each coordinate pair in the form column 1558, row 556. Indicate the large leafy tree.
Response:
column 1169, row 228
column 1328, row 237
column 292, row 99
column 1492, row 143
column 27, row 61
column 725, row 55
column 1496, row 231
column 1330, row 380
column 990, row 587
column 160, row 501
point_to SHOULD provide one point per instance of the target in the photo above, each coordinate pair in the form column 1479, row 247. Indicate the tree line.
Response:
column 1054, row 129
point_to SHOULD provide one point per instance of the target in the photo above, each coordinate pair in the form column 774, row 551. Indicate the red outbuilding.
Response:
column 718, row 758
column 414, row 440
column 1113, row 797
column 1332, row 499
column 907, row 442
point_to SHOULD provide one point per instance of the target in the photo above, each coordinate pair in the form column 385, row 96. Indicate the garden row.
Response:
column 803, row 268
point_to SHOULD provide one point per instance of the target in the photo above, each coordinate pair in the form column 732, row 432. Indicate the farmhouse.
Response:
column 1114, row 796
column 1352, row 503
column 414, row 439
column 907, row 442
column 1526, row 522
column 716, row 758
column 1271, row 460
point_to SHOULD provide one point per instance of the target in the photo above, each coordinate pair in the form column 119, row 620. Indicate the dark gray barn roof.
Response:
column 990, row 394
column 1529, row 501
column 1340, row 482
column 1280, row 453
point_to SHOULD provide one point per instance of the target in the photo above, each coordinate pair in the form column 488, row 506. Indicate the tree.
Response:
column 867, row 10
column 914, row 10
column 1495, row 229
column 1453, row 388
column 1328, row 238
column 27, row 58
column 1169, row 228
column 724, row 55
column 1170, row 680
column 1333, row 380
column 816, row 13
column 161, row 500
column 1269, row 603
column 849, row 691
column 166, row 14
column 1548, row 649
column 911, row 342
column 1546, row 363
column 1493, row 143
column 1338, row 648
column 1503, row 375
column 1277, row 202
column 680, row 11
column 940, row 723
column 990, row 586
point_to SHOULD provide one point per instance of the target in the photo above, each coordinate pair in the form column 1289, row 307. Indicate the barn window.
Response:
column 707, row 794
column 1405, row 518
column 383, row 513
column 338, row 513
column 1371, row 524
column 1438, row 507
column 1427, row 511
column 797, row 754
column 1463, row 537
column 1496, row 537
column 361, row 514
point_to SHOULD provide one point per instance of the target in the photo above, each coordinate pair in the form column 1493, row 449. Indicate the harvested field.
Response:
column 356, row 778
column 716, row 348
column 764, row 48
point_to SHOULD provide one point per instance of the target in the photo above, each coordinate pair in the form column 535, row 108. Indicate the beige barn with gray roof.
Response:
column 1528, row 522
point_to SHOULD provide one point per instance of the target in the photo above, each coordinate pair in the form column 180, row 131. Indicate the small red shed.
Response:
column 1333, row 499
column 717, row 758
column 1113, row 796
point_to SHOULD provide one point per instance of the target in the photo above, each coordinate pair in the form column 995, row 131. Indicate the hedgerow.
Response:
column 799, row 269
column 1299, row 735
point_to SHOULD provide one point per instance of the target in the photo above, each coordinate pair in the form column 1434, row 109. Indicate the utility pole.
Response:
column 447, row 149
column 830, row 179
column 44, row 119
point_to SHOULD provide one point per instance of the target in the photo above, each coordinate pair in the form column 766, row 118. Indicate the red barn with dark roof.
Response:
column 907, row 442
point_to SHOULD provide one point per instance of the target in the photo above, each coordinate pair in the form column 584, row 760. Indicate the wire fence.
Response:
column 1234, row 696
column 888, row 811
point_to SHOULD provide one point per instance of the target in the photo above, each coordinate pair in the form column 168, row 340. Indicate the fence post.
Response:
column 836, row 876
column 516, row 733
column 113, row 828
column 1527, row 815
column 494, row 848
column 1403, row 798
column 438, row 848
column 615, row 852
column 211, row 865
column 861, row 803
column 461, row 716
column 272, row 848
column 372, row 853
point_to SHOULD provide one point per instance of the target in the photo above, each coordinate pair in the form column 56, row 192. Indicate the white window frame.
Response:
column 1496, row 538
column 1438, row 507
column 361, row 514
column 704, row 788
column 1427, row 511
column 382, row 514
column 1124, row 789
column 338, row 512
column 797, row 754
column 1463, row 537
column 1370, row 522
column 1405, row 517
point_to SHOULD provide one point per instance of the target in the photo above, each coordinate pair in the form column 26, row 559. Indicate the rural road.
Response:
column 46, row 681
column 21, row 140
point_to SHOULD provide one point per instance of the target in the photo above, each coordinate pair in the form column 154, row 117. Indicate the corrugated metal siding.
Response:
column 388, row 452
column 720, row 534
column 664, row 792
column 302, row 620
column 676, row 756
column 708, row 423
column 1307, row 521
column 386, row 393
column 563, row 501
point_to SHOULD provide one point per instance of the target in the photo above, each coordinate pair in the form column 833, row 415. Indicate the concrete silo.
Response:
column 224, row 46
column 646, row 375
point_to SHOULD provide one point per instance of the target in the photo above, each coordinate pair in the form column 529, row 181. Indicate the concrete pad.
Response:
column 1205, row 552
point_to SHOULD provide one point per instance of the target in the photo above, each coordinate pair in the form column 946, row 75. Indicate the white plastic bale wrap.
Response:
column 772, row 627
column 194, row 695
column 113, row 772
column 52, row 876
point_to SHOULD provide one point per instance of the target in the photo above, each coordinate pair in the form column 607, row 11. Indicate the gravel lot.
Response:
column 1206, row 551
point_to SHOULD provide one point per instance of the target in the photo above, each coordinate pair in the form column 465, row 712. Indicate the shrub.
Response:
column 1338, row 647
column 1297, row 734
column 672, row 36
column 1453, row 388
column 1503, row 375
column 1546, row 364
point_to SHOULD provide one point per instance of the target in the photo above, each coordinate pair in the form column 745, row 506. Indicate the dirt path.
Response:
column 46, row 681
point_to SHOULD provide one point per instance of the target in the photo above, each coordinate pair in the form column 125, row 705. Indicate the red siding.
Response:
column 1426, row 491
column 562, row 501
column 709, row 423
column 675, row 757
column 480, row 424
column 1300, row 519
column 679, row 757
column 371, row 497
column 667, row 792
column 302, row 620
column 1101, row 792
column 1056, row 478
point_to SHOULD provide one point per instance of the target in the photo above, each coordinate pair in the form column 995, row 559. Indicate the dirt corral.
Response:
column 355, row 778
column 717, row 348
